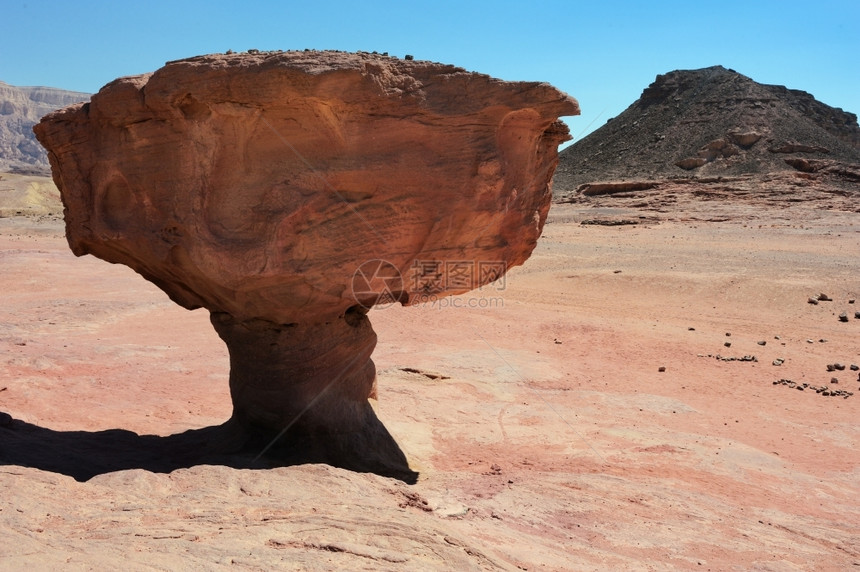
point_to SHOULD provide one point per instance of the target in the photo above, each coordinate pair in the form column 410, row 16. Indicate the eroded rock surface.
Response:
column 256, row 184
column 259, row 186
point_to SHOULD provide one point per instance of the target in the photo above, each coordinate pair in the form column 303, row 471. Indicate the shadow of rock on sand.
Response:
column 83, row 455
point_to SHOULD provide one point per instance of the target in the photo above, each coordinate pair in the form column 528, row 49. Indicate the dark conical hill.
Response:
column 706, row 123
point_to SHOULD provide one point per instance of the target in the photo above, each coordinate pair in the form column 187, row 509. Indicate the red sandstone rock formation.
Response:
column 288, row 192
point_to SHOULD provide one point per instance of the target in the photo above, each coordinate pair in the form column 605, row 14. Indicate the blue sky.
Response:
column 603, row 52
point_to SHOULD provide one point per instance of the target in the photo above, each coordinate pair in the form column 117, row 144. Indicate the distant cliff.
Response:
column 20, row 109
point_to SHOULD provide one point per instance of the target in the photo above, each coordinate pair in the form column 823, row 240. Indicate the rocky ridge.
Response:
column 714, row 129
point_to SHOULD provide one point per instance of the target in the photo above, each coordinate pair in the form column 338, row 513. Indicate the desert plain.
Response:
column 611, row 405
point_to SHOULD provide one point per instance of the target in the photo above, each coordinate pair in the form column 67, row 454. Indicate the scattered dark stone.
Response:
column 851, row 301
column 834, row 380
column 823, row 340
column 824, row 298
column 728, row 344
column 762, row 343
column 843, row 317
column 728, row 358
column 427, row 374
column 830, row 367
column 728, row 334
column 823, row 390
column 691, row 329
column 854, row 367
column 604, row 222
column 857, row 315
column 661, row 369
column 839, row 367
column 778, row 361
column 813, row 301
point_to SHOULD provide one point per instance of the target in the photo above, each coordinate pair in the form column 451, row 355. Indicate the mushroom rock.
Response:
column 288, row 193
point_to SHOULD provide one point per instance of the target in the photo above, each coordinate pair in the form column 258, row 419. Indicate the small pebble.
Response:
column 728, row 334
column 834, row 380
column 810, row 342
column 857, row 315
column 762, row 343
column 843, row 317
column 661, row 369
column 813, row 301
column 854, row 367
column 830, row 367
column 824, row 298
column 778, row 361
column 728, row 344
column 839, row 366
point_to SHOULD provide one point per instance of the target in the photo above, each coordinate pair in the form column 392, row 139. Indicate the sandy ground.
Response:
column 30, row 196
column 555, row 443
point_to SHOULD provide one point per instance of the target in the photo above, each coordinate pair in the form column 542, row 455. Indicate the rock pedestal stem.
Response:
column 302, row 391
column 315, row 378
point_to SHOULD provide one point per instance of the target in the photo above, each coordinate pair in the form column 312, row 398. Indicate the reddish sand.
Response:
column 556, row 443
